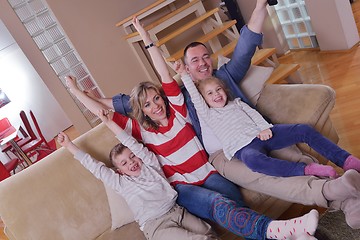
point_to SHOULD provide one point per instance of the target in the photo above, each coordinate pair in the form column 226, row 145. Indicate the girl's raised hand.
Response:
column 179, row 67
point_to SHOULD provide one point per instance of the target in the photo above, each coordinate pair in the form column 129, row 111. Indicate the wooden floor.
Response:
column 341, row 71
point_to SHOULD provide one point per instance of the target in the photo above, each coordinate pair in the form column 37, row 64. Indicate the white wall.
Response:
column 26, row 90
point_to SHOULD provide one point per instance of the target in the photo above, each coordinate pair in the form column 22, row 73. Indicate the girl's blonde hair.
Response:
column 138, row 98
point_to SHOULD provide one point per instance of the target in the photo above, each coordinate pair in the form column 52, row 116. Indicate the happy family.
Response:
column 168, row 134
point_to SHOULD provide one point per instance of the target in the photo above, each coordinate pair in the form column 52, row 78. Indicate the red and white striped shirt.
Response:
column 179, row 151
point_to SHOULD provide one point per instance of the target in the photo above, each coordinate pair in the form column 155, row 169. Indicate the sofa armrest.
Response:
column 296, row 103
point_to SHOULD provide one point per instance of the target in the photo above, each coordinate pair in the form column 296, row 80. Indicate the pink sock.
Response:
column 352, row 162
column 320, row 170
column 293, row 228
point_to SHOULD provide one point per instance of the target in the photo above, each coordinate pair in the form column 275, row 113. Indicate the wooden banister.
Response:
column 186, row 27
column 163, row 19
column 281, row 72
column 155, row 4
column 205, row 38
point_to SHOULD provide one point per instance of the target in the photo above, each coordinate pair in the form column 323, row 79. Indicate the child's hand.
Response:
column 179, row 67
column 63, row 139
column 265, row 134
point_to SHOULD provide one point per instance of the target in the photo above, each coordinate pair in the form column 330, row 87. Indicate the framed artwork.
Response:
column 3, row 99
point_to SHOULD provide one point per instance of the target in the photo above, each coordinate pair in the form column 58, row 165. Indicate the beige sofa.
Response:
column 57, row 198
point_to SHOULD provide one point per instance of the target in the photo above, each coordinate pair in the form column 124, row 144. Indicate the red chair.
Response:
column 4, row 124
column 5, row 169
column 39, row 142
column 4, row 173
column 12, row 165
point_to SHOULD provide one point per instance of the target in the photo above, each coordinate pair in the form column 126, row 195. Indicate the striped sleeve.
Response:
column 175, row 96
column 130, row 126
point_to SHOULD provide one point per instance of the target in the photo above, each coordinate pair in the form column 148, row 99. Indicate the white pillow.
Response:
column 119, row 210
column 254, row 80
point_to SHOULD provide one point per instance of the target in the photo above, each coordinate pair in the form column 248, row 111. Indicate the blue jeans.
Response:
column 219, row 200
column 255, row 154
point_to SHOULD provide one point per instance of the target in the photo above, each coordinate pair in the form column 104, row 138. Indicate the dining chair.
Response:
column 39, row 142
column 3, row 172
column 4, row 124
column 5, row 169
column 12, row 165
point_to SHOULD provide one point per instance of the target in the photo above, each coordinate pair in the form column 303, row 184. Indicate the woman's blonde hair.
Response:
column 138, row 98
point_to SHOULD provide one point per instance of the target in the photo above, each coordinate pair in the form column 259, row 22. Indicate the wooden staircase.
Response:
column 221, row 37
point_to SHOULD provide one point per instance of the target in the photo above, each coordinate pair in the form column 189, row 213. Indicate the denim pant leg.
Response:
column 212, row 205
column 255, row 155
column 219, row 184
column 307, row 134
column 290, row 134
column 285, row 135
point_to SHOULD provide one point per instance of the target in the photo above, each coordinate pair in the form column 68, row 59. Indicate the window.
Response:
column 51, row 40
column 296, row 24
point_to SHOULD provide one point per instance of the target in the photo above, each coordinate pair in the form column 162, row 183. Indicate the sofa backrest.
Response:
column 57, row 198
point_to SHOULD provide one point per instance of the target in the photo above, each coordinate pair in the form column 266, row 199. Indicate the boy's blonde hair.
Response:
column 115, row 151
column 138, row 98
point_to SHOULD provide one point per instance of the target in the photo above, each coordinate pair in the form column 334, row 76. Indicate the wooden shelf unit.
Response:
column 220, row 36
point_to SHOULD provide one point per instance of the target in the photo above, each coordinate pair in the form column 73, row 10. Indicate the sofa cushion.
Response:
column 253, row 82
column 119, row 210
column 56, row 198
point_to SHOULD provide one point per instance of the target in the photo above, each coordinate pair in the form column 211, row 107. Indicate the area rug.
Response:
column 332, row 226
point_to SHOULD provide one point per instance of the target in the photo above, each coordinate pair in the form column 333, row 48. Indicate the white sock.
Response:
column 293, row 228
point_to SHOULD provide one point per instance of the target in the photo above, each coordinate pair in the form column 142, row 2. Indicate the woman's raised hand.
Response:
column 140, row 28
column 70, row 82
column 105, row 115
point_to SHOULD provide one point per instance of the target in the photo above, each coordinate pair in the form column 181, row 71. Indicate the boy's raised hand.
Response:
column 63, row 139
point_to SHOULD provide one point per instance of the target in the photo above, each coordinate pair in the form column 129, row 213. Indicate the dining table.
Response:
column 8, row 136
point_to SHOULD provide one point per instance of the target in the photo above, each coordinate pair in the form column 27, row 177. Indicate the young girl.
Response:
column 142, row 183
column 246, row 135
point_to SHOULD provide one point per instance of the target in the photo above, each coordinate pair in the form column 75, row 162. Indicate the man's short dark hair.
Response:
column 191, row 45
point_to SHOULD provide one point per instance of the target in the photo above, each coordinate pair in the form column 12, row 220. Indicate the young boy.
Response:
column 140, row 180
